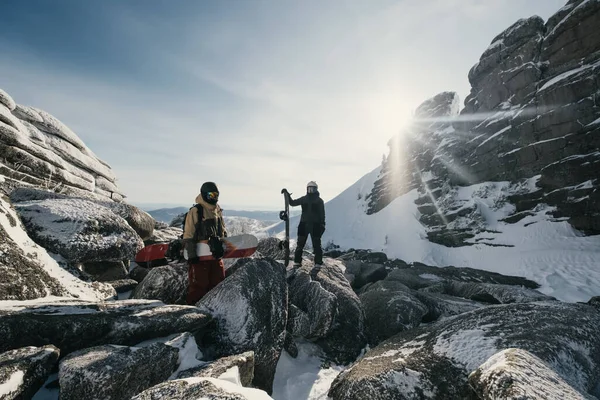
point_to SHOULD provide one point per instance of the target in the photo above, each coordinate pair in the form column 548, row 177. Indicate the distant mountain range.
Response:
column 167, row 214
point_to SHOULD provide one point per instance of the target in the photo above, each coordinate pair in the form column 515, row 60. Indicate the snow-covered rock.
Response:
column 163, row 235
column 73, row 325
column 201, row 388
column 141, row 222
column 441, row 305
column 115, row 372
column 167, row 284
column 390, row 308
column 517, row 374
column 269, row 247
column 243, row 364
column 488, row 292
column 79, row 230
column 334, row 312
column 250, row 308
column 23, row 371
column 27, row 271
column 41, row 151
column 433, row 362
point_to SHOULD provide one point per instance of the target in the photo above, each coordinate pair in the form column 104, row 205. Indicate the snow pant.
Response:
column 202, row 277
column 315, row 236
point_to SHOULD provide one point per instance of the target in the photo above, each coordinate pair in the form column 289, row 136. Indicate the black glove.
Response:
column 193, row 260
column 216, row 247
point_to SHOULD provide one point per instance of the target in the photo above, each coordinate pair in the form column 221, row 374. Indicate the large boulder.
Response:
column 434, row 362
column 390, row 308
column 335, row 315
column 518, row 374
column 23, row 371
column 270, row 247
column 28, row 272
column 115, row 372
column 73, row 325
column 167, row 284
column 365, row 272
column 243, row 364
column 79, row 230
column 141, row 222
column 40, row 151
column 250, row 308
column 201, row 388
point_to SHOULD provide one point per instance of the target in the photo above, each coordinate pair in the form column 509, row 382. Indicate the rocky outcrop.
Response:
column 270, row 247
column 242, row 363
column 201, row 388
column 40, row 150
column 115, row 372
column 28, row 272
column 80, row 230
column 531, row 121
column 23, row 371
column 73, row 325
column 434, row 362
column 518, row 374
column 327, row 311
column 167, row 284
column 250, row 308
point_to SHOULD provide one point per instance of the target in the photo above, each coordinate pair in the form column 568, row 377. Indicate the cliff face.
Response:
column 532, row 120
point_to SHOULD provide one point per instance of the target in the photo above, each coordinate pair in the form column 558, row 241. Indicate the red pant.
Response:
column 202, row 277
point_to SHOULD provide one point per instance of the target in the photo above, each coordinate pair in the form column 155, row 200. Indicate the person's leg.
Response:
column 317, row 249
column 217, row 273
column 299, row 249
column 198, row 280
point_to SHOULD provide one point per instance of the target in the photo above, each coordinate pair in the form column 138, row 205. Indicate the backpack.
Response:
column 200, row 213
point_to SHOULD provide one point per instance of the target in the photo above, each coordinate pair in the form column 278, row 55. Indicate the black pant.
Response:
column 315, row 235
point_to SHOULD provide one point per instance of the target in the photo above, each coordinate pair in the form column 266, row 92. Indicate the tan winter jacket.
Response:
column 212, row 225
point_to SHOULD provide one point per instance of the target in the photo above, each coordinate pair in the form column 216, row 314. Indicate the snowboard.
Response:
column 285, row 216
column 234, row 247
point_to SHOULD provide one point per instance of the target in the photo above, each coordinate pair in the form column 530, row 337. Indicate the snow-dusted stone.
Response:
column 515, row 374
column 365, row 272
column 595, row 302
column 105, row 271
column 167, row 284
column 28, row 272
column 441, row 305
column 79, row 230
column 115, row 372
column 6, row 100
column 420, row 276
column 163, row 235
column 488, row 292
column 335, row 315
column 141, row 222
column 250, row 308
column 138, row 273
column 433, row 362
column 23, row 371
column 390, row 308
column 201, row 388
column 243, row 363
column 269, row 247
column 123, row 285
column 72, row 325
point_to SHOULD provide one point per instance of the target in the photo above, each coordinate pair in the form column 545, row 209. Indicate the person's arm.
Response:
column 296, row 202
column 322, row 212
column 189, row 233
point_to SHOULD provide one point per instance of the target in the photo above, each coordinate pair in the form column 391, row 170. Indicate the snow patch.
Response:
column 470, row 348
column 567, row 74
column 12, row 384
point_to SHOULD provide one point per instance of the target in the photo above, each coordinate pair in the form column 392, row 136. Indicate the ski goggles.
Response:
column 212, row 195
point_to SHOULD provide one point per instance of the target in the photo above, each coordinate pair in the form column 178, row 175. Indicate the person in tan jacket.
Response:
column 203, row 222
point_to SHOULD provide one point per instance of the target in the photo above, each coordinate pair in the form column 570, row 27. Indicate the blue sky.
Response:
column 255, row 95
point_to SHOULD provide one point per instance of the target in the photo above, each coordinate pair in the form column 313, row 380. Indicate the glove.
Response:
column 216, row 247
column 193, row 260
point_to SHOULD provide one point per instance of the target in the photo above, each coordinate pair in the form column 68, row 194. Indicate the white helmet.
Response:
column 311, row 187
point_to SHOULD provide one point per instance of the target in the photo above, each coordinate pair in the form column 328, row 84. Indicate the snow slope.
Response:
column 548, row 251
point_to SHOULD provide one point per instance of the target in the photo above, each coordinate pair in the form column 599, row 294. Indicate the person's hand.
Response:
column 193, row 260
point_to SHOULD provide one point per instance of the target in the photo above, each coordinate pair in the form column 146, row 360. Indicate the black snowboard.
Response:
column 285, row 216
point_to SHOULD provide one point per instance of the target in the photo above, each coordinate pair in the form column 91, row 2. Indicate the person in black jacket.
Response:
column 312, row 222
